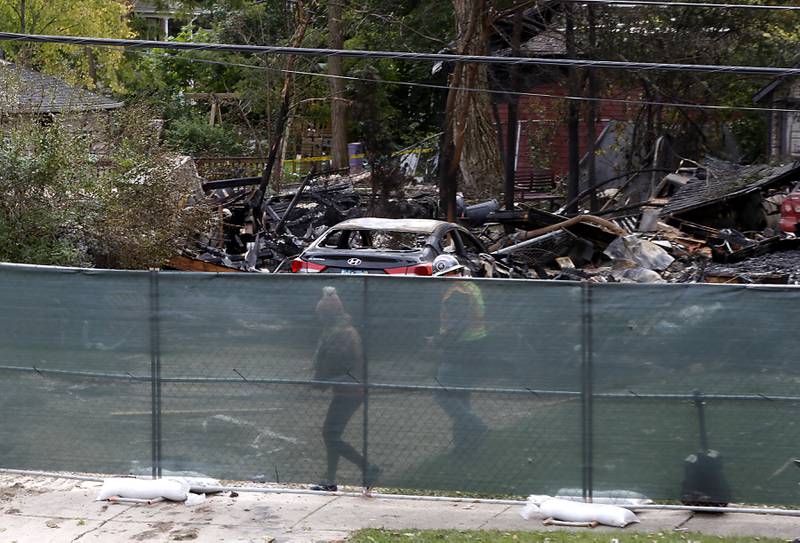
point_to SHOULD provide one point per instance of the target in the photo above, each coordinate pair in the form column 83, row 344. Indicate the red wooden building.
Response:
column 542, row 128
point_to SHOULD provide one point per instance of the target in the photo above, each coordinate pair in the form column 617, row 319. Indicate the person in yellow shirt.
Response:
column 462, row 345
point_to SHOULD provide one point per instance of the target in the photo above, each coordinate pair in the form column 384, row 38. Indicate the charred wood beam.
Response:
column 293, row 203
column 231, row 183
column 296, row 197
column 573, row 150
column 271, row 213
column 513, row 116
column 598, row 222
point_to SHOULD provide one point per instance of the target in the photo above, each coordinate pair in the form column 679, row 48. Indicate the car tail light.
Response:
column 301, row 266
column 791, row 204
column 418, row 269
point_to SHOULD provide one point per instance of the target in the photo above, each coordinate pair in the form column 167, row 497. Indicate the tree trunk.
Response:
column 277, row 185
column 92, row 63
column 284, row 112
column 469, row 149
column 22, row 57
column 339, row 155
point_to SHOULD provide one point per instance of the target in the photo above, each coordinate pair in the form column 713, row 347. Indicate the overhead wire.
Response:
column 137, row 45
column 403, row 55
column 684, row 105
column 666, row 3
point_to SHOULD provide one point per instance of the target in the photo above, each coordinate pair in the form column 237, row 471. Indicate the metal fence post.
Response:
column 587, row 393
column 364, row 378
column 155, row 376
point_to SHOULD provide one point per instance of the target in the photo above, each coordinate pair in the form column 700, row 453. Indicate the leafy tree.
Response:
column 373, row 119
column 89, row 66
column 405, row 25
column 162, row 78
column 693, row 36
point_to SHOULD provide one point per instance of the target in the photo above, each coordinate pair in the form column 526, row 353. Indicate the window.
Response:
column 449, row 243
column 333, row 240
column 471, row 247
column 397, row 241
column 381, row 240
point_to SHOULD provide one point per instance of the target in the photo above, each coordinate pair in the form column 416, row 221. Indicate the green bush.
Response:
column 195, row 137
column 42, row 185
column 71, row 195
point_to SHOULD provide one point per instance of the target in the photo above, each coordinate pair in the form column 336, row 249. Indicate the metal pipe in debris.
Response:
column 516, row 247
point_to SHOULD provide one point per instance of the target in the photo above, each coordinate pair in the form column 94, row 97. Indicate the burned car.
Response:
column 389, row 246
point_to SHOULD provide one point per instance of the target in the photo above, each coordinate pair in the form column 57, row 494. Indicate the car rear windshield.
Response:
column 381, row 240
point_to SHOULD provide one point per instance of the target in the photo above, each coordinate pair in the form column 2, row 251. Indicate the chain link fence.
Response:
column 564, row 385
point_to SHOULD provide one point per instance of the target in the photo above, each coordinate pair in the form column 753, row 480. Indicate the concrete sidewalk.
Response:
column 47, row 509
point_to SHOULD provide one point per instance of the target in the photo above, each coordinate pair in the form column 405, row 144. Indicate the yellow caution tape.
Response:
column 419, row 150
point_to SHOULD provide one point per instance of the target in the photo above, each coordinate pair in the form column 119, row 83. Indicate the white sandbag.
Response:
column 570, row 511
column 529, row 509
column 200, row 485
column 145, row 489
column 623, row 498
column 195, row 499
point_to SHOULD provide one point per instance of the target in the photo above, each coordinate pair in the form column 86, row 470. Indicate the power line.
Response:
column 402, row 55
column 715, row 107
column 686, row 4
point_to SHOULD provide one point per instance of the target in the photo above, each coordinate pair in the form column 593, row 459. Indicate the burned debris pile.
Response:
column 263, row 234
column 716, row 222
column 712, row 222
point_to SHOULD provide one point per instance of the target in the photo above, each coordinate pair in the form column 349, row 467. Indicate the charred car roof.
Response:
column 422, row 226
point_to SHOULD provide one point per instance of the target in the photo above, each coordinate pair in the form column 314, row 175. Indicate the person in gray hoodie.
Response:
column 339, row 358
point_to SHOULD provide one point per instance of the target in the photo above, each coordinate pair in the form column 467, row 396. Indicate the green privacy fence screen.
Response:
column 399, row 382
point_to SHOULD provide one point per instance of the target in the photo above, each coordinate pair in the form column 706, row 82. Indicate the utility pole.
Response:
column 448, row 162
column 339, row 154
column 23, row 28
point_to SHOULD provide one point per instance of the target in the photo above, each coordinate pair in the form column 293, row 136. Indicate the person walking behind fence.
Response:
column 339, row 358
column 461, row 344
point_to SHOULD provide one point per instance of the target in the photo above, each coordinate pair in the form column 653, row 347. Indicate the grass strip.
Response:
column 480, row 536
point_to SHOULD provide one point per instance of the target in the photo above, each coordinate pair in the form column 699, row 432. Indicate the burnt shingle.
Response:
column 725, row 181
